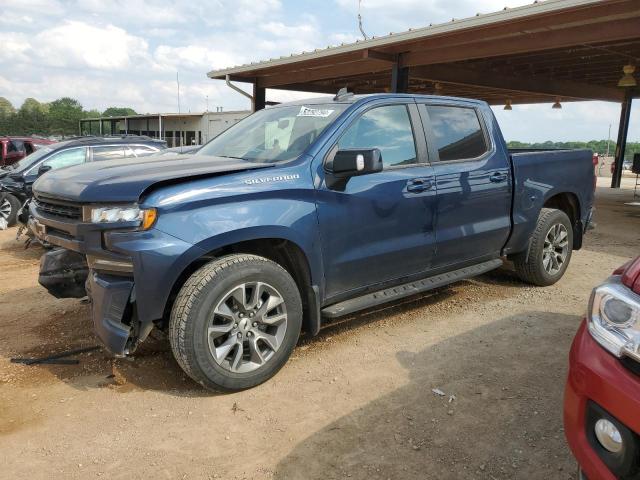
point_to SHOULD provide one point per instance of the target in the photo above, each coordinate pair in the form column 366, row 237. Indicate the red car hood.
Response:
column 630, row 272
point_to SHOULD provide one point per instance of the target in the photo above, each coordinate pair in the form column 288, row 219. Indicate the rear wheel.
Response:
column 550, row 250
column 235, row 322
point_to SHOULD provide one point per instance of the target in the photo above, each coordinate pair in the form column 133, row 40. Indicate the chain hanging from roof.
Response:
column 360, row 21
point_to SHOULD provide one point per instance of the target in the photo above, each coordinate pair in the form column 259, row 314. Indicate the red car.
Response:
column 602, row 395
column 13, row 149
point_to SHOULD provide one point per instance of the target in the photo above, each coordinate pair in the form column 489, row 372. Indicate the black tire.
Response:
column 193, row 310
column 15, row 206
column 529, row 265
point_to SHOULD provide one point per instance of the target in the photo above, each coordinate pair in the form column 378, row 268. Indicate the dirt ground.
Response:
column 354, row 402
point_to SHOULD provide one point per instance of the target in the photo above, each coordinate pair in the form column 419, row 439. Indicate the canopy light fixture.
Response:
column 507, row 104
column 628, row 80
column 557, row 105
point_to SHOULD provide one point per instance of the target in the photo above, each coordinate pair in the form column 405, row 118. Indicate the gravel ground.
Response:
column 355, row 402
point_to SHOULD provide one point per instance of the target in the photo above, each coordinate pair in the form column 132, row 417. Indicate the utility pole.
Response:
column 178, row 82
column 208, row 120
column 608, row 140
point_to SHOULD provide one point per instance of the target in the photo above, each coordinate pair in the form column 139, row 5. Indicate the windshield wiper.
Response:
column 229, row 156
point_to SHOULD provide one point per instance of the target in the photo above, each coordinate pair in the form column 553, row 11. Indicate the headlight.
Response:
column 143, row 217
column 614, row 318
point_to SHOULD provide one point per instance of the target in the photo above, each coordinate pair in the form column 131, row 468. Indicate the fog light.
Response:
column 608, row 435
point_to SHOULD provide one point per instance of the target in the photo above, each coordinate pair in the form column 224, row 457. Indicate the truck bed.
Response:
column 540, row 174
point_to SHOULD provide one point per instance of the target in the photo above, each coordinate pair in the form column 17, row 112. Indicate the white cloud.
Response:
column 15, row 48
column 78, row 44
column 198, row 57
column 34, row 7
column 127, row 52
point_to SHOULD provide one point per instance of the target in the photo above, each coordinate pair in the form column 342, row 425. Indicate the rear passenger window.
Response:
column 15, row 146
column 140, row 151
column 457, row 132
column 386, row 128
column 107, row 153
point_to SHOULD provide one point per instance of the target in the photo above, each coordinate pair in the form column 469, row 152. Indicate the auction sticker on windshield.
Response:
column 314, row 112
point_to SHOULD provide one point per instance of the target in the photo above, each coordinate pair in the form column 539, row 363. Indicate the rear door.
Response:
column 473, row 181
column 380, row 227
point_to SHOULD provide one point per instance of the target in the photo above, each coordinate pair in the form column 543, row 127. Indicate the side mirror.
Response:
column 352, row 163
column 43, row 169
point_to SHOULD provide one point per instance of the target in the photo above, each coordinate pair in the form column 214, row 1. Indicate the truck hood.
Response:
column 125, row 181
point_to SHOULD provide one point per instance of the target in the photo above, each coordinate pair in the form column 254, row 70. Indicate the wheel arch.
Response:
column 281, row 249
column 569, row 203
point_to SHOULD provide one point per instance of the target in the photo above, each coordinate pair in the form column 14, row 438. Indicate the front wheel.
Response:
column 9, row 206
column 550, row 250
column 235, row 322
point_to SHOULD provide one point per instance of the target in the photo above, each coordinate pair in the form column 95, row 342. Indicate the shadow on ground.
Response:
column 153, row 367
column 504, row 377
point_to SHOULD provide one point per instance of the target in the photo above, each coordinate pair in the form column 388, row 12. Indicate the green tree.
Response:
column 31, row 118
column 64, row 115
column 6, row 109
column 7, row 114
column 118, row 112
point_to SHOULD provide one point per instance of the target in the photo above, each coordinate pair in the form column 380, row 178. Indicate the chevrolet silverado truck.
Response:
column 308, row 211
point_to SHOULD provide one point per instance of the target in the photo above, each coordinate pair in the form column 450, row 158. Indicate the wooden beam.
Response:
column 527, row 84
column 621, row 143
column 259, row 98
column 325, row 73
column 375, row 55
column 399, row 79
column 525, row 42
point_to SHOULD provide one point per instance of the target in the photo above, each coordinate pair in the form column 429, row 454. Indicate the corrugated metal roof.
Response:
column 480, row 20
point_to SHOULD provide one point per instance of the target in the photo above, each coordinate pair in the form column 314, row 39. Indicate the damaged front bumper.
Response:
column 63, row 273
column 130, row 273
column 111, row 303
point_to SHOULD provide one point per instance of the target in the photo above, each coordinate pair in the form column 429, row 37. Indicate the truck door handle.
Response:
column 498, row 177
column 419, row 185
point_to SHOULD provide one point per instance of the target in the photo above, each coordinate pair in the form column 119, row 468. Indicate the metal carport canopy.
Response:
column 557, row 49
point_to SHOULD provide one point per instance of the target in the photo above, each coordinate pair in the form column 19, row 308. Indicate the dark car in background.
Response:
column 14, row 149
column 16, row 179
column 602, row 395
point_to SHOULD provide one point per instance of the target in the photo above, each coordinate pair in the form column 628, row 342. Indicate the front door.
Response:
column 380, row 228
column 473, row 179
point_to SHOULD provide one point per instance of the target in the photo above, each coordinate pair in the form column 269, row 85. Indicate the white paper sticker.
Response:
column 314, row 112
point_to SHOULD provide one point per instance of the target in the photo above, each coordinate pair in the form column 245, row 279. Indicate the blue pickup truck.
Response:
column 308, row 211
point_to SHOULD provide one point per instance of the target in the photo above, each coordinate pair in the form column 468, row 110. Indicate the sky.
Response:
column 127, row 52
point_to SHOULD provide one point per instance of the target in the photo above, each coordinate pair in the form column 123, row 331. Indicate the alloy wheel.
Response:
column 248, row 326
column 5, row 208
column 556, row 248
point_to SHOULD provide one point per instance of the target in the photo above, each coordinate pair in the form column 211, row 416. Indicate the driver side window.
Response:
column 66, row 158
column 386, row 128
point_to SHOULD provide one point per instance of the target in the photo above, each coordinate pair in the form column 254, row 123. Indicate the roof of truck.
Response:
column 351, row 98
column 110, row 140
column 32, row 139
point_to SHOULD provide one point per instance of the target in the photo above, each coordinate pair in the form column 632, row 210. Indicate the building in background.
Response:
column 176, row 128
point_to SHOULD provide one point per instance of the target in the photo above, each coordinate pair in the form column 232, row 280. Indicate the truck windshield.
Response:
column 274, row 134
